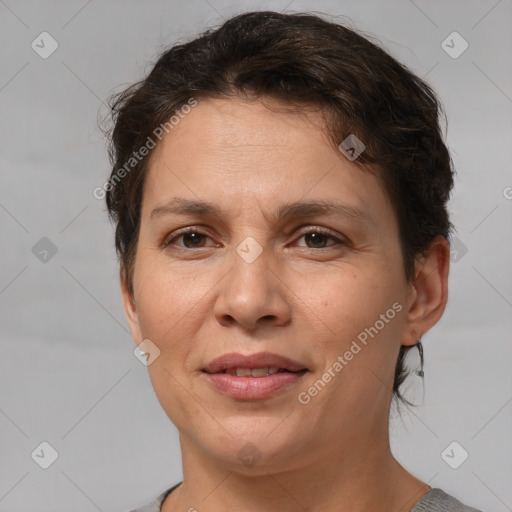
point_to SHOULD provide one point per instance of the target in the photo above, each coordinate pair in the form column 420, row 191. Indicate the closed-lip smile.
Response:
column 234, row 360
column 255, row 376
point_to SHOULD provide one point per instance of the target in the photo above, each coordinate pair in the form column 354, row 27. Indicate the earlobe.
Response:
column 429, row 293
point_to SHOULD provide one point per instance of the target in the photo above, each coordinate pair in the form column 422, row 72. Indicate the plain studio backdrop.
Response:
column 68, row 373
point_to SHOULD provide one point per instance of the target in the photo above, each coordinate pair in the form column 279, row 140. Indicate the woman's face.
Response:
column 260, row 275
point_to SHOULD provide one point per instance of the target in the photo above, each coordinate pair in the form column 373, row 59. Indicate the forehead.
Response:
column 232, row 150
column 236, row 124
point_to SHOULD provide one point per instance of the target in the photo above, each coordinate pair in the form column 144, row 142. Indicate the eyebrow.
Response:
column 182, row 206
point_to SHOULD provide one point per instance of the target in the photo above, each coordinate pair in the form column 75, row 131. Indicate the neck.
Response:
column 366, row 477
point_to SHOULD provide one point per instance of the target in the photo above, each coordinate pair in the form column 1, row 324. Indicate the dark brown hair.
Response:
column 301, row 60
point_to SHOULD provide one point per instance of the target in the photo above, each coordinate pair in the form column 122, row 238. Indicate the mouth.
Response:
column 262, row 364
column 257, row 372
column 253, row 377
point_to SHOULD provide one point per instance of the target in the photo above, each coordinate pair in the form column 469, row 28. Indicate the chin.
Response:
column 255, row 449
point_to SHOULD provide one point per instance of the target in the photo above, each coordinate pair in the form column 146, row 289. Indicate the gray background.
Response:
column 68, row 375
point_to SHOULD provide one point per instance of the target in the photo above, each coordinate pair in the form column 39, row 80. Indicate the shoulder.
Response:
column 155, row 504
column 436, row 500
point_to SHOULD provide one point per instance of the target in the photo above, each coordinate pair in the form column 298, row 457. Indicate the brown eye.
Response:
column 191, row 239
column 318, row 238
column 194, row 238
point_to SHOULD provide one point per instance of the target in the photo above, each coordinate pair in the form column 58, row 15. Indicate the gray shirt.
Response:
column 435, row 500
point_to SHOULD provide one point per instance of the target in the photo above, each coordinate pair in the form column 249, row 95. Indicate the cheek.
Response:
column 168, row 308
column 166, row 301
column 359, row 306
column 364, row 316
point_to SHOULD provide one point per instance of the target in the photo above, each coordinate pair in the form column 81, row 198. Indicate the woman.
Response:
column 279, row 188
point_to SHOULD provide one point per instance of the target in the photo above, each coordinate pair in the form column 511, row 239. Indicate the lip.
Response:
column 253, row 388
column 259, row 360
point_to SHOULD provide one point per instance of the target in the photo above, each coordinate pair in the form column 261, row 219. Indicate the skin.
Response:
column 303, row 297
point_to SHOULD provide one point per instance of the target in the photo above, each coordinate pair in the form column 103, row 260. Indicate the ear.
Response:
column 429, row 291
column 130, row 308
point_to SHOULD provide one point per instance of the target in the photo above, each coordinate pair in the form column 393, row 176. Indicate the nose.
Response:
column 252, row 293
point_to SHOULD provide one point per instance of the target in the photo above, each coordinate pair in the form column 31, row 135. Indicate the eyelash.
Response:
column 319, row 230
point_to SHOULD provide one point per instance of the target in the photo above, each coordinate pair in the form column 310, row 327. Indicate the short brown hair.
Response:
column 299, row 59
